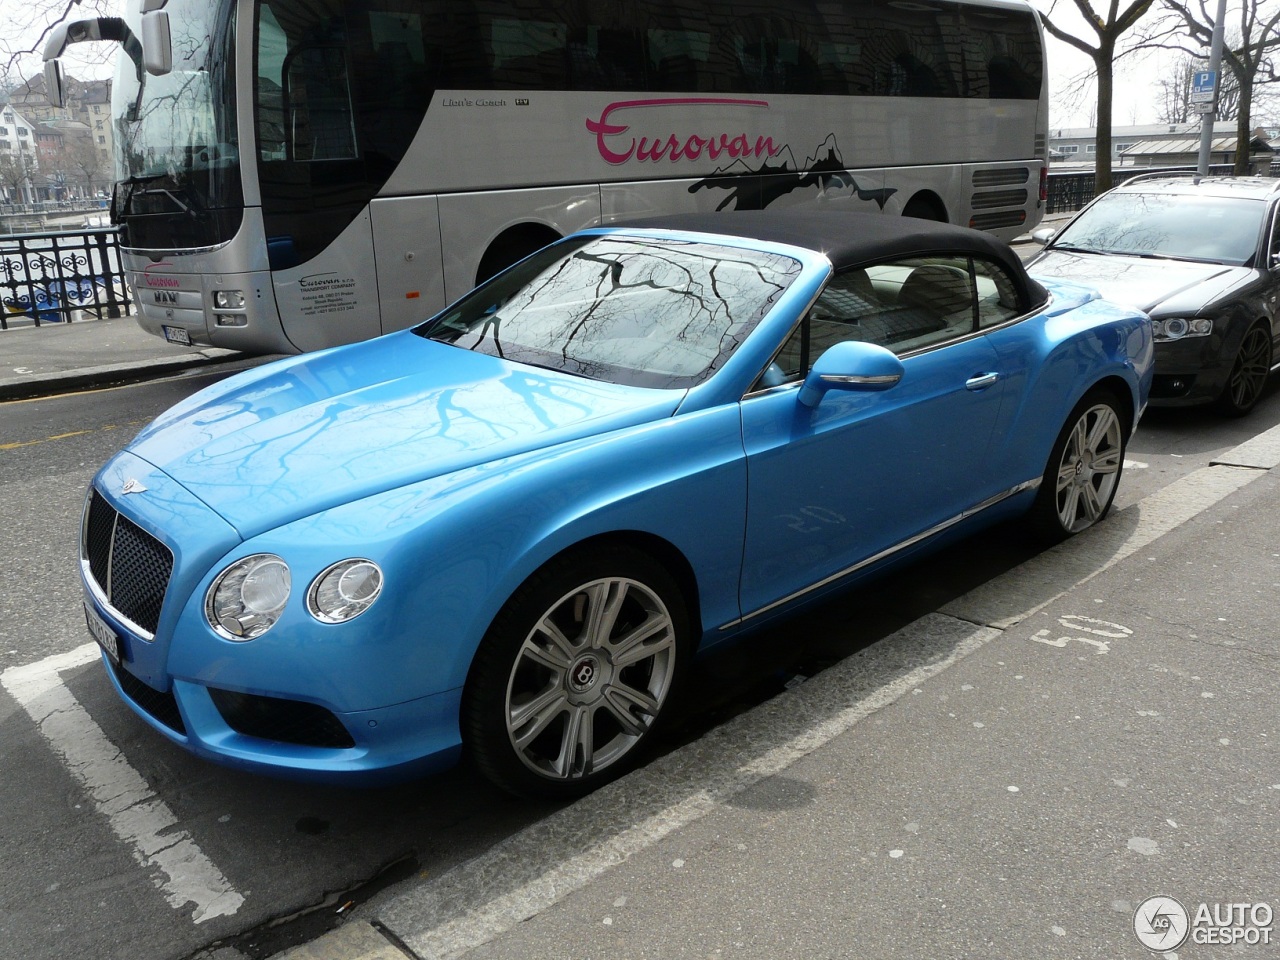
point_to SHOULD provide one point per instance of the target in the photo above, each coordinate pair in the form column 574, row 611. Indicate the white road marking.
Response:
column 137, row 816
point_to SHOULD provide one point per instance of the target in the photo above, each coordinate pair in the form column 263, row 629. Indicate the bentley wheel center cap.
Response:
column 584, row 674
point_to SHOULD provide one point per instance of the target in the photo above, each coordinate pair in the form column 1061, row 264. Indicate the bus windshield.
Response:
column 175, row 135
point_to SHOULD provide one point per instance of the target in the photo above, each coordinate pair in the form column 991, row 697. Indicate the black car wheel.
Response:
column 1249, row 373
column 1084, row 468
column 575, row 673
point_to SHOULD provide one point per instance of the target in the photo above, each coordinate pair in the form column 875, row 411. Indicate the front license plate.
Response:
column 100, row 631
column 177, row 335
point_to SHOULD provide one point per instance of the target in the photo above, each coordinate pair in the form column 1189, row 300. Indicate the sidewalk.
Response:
column 56, row 357
column 1011, row 776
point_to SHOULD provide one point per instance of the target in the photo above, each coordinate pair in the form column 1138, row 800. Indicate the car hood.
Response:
column 1147, row 284
column 301, row 435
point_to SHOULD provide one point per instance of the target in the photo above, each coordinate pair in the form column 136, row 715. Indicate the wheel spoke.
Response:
column 1108, row 463
column 1069, row 507
column 527, row 720
column 604, row 602
column 1066, row 474
column 549, row 656
column 559, row 653
column 1101, row 428
column 576, row 745
column 620, row 697
column 640, row 644
column 1090, row 503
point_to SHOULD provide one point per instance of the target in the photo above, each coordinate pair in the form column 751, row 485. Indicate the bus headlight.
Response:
column 247, row 598
column 228, row 299
column 1176, row 328
column 344, row 591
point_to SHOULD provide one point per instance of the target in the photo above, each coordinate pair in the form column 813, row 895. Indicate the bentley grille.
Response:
column 130, row 566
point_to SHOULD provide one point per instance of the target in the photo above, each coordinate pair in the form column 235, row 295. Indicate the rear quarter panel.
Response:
column 1075, row 343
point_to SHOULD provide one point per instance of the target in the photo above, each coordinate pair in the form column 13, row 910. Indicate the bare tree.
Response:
column 1108, row 30
column 27, row 27
column 16, row 170
column 1249, row 56
column 1175, row 92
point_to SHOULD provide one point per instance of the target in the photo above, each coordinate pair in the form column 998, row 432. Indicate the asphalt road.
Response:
column 90, row 794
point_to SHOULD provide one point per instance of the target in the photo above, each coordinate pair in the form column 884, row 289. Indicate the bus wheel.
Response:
column 512, row 247
column 923, row 207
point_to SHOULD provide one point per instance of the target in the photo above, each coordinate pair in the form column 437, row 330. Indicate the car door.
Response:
column 836, row 485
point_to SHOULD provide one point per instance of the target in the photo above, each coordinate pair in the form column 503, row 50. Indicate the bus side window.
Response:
column 319, row 121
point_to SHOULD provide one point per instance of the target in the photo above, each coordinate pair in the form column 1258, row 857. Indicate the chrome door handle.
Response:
column 981, row 381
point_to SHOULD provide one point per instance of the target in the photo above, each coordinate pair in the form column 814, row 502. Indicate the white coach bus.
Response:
column 294, row 174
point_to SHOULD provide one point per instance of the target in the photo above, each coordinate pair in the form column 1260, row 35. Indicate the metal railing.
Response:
column 1071, row 191
column 50, row 277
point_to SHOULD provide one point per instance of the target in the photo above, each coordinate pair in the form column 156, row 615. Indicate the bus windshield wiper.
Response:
column 120, row 210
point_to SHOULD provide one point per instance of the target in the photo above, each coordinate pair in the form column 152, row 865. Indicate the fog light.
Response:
column 228, row 299
column 230, row 320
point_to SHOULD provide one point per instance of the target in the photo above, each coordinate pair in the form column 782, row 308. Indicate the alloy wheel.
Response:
column 590, row 678
column 1089, row 469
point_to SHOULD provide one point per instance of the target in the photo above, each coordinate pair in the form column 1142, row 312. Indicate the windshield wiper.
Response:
column 120, row 210
column 1071, row 248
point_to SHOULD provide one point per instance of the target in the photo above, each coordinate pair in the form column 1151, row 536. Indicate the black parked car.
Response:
column 1202, row 257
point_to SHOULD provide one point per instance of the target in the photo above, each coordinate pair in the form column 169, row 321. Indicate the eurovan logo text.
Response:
column 158, row 281
column 614, row 147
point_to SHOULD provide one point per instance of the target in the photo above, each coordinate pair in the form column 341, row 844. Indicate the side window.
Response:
column 903, row 305
column 997, row 296
column 1274, row 248
column 924, row 302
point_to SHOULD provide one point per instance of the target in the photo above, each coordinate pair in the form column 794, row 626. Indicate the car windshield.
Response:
column 1178, row 226
column 633, row 310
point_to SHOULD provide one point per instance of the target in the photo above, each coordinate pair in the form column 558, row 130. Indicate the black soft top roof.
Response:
column 855, row 239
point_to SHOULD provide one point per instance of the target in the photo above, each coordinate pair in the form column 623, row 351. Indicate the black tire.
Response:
column 1084, row 468
column 575, row 673
column 1249, row 372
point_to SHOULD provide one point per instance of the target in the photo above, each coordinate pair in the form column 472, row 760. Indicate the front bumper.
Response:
column 1190, row 371
column 291, row 738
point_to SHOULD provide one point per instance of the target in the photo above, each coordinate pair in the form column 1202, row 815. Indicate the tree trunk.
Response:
column 1102, row 140
column 1244, row 134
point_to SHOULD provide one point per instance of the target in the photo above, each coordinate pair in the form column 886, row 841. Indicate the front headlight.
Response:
column 247, row 598
column 344, row 591
column 1176, row 328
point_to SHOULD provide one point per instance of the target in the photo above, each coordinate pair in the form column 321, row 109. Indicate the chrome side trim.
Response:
column 889, row 551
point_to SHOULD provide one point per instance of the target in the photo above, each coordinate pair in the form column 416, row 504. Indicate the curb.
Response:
column 117, row 374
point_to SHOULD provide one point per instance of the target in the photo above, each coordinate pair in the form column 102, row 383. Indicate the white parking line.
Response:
column 137, row 816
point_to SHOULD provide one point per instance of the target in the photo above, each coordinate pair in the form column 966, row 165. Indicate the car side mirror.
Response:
column 1043, row 235
column 851, row 365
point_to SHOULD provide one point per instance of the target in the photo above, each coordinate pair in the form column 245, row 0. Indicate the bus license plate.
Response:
column 100, row 631
column 177, row 335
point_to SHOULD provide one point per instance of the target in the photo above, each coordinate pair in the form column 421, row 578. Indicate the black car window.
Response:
column 1173, row 226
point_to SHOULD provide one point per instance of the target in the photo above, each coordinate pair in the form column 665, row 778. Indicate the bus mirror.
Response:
column 157, row 47
column 150, row 5
column 53, row 83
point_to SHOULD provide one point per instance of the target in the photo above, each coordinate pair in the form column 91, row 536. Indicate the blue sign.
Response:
column 1203, row 86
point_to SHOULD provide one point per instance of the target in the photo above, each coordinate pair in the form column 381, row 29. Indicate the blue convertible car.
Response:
column 507, row 530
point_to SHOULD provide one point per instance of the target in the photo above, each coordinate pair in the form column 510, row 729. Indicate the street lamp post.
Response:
column 1211, row 109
